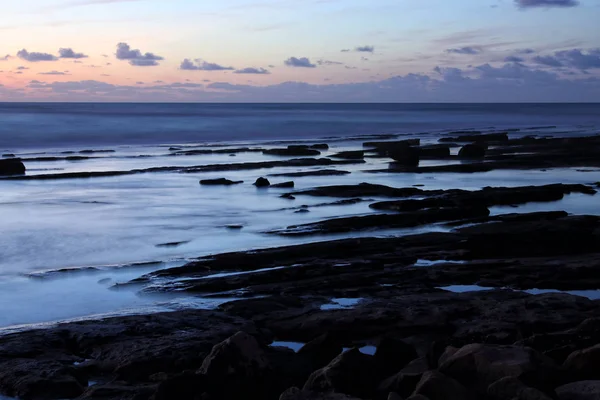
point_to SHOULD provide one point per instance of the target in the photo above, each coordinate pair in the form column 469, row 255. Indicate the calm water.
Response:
column 114, row 224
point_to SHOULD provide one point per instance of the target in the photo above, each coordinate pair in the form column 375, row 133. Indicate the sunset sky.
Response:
column 311, row 50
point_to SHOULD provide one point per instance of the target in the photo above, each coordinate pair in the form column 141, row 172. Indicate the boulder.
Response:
column 262, row 182
column 584, row 364
column 405, row 155
column 437, row 386
column 392, row 355
column 220, row 181
column 236, row 366
column 350, row 155
column 512, row 388
column 405, row 381
column 472, row 151
column 351, row 373
column 435, row 151
column 321, row 351
column 12, row 166
column 582, row 390
column 284, row 185
column 297, row 394
column 482, row 365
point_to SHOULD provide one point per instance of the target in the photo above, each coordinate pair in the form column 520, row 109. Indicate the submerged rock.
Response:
column 405, row 155
column 349, row 155
column 322, row 172
column 12, row 166
column 284, row 185
column 293, row 151
column 262, row 182
column 8, row 155
column 219, row 181
column 472, row 151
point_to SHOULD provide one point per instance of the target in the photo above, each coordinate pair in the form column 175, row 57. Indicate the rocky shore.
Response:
column 486, row 306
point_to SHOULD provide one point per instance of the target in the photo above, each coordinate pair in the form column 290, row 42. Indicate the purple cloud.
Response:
column 515, row 59
column 135, row 56
column 301, row 62
column 53, row 73
column 546, row 3
column 5, row 58
column 327, row 62
column 465, row 50
column 574, row 58
column 250, row 70
column 69, row 53
column 365, row 49
column 20, row 68
column 199, row 65
column 35, row 56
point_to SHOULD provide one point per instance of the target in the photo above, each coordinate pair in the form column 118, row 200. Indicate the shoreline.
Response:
column 414, row 310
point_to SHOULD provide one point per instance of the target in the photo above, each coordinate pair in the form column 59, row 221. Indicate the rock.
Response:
column 116, row 391
column 173, row 244
column 284, row 185
column 96, row 151
column 31, row 379
column 293, row 151
column 393, row 144
column 234, row 227
column 437, row 386
column 350, row 155
column 319, row 146
column 405, row 155
column 302, row 211
column 8, row 155
column 262, row 182
column 584, row 364
column 492, row 137
column 392, row 355
column 220, row 181
column 174, row 148
column 297, row 394
column 321, row 351
column 435, row 151
column 485, row 364
column 351, row 373
column 512, row 388
column 236, row 366
column 288, row 196
column 394, row 396
column 405, row 381
column 472, row 151
column 582, row 390
column 417, row 397
column 12, row 166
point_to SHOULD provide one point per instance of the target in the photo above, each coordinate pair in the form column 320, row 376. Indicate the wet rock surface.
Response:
column 11, row 166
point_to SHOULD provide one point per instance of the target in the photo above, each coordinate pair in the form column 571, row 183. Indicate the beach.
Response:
column 338, row 249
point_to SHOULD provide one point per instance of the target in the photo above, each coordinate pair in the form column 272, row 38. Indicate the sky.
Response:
column 300, row 51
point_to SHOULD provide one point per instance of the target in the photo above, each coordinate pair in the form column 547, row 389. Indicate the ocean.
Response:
column 66, row 245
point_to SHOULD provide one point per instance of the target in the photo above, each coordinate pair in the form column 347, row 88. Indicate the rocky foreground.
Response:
column 366, row 318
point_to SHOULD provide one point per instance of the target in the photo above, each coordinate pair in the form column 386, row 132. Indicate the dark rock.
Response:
column 393, row 144
column 394, row 396
column 284, row 185
column 392, row 355
column 363, row 190
column 30, row 379
column 584, row 364
column 322, row 172
column 96, row 151
column 121, row 391
column 302, row 211
column 485, row 364
column 349, row 155
column 174, row 148
column 319, row 146
column 11, row 166
column 437, row 386
column 512, row 388
column 405, row 155
column 220, row 181
column 262, row 182
column 405, row 381
column 8, row 155
column 417, row 397
column 173, row 244
column 293, row 151
column 321, row 351
column 582, row 390
column 472, row 151
column 351, row 373
column 435, row 151
column 297, row 394
column 234, row 227
column 288, row 196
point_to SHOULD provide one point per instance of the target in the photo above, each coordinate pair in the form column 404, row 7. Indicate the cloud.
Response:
column 364, row 49
column 301, row 62
column 35, row 57
column 53, row 73
column 5, row 58
column 465, row 50
column 199, row 65
column 525, row 51
column 139, row 83
column 135, row 56
column 513, row 59
column 328, row 62
column 345, row 50
column 250, row 70
column 69, row 53
column 546, row 3
column 20, row 68
column 82, row 3
column 574, row 58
